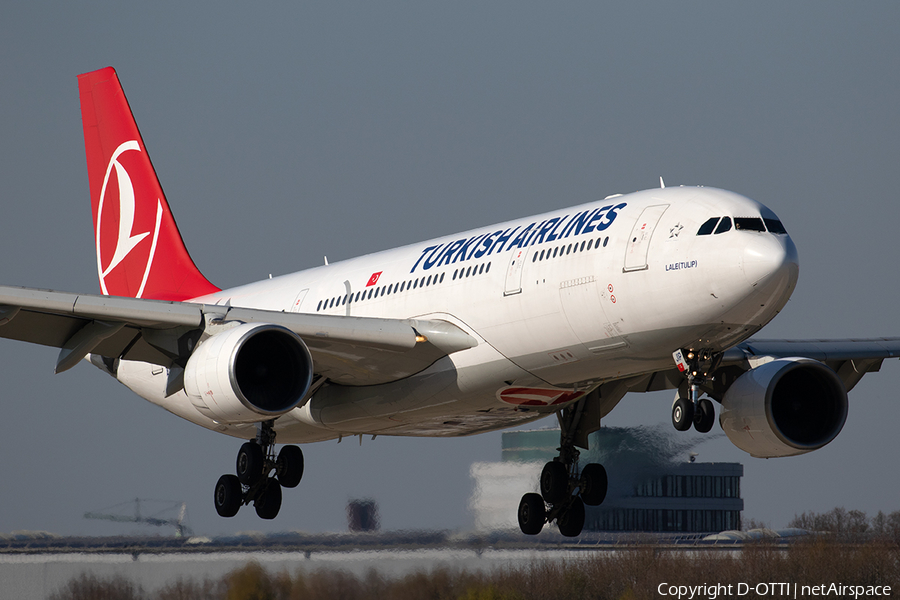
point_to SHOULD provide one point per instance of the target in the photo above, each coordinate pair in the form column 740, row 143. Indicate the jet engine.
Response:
column 249, row 373
column 785, row 407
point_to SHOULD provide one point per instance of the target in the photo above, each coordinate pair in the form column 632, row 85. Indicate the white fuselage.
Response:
column 559, row 304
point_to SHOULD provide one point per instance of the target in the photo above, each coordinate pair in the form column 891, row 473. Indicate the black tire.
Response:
column 228, row 496
column 705, row 416
column 593, row 485
column 250, row 462
column 571, row 520
column 683, row 414
column 554, row 482
column 531, row 514
column 289, row 466
column 268, row 503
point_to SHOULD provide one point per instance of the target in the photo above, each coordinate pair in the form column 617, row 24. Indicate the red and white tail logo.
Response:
column 140, row 252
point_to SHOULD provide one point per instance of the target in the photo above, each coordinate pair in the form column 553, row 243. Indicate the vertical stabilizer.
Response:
column 140, row 252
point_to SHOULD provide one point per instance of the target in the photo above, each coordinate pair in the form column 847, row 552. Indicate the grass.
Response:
column 631, row 574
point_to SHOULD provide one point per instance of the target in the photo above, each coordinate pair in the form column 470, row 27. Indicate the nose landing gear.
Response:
column 692, row 410
column 260, row 476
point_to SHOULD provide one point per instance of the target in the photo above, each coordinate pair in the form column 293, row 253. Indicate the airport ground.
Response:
column 439, row 565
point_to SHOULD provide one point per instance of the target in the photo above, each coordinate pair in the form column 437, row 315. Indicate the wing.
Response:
column 849, row 358
column 348, row 350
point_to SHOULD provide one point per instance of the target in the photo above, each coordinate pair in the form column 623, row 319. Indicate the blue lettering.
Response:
column 596, row 216
column 486, row 244
column 424, row 252
column 448, row 253
column 432, row 258
column 475, row 246
column 559, row 221
column 464, row 249
column 504, row 237
column 546, row 229
column 610, row 216
column 577, row 221
column 520, row 239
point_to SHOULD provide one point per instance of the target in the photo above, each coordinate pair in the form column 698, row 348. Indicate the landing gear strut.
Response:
column 260, row 476
column 564, row 491
column 688, row 408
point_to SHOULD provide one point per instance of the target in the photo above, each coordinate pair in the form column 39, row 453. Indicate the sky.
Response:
column 286, row 132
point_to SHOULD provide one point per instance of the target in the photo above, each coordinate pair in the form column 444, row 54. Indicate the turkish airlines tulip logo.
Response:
column 126, row 238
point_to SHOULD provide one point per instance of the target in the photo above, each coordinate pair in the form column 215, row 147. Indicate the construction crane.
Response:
column 177, row 522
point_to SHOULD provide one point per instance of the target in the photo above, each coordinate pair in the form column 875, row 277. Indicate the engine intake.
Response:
column 249, row 373
column 785, row 407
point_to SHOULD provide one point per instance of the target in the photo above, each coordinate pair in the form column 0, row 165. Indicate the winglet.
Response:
column 140, row 252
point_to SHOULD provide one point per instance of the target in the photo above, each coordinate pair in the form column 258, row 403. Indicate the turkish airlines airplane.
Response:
column 564, row 312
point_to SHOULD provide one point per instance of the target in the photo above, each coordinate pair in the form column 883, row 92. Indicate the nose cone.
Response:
column 771, row 265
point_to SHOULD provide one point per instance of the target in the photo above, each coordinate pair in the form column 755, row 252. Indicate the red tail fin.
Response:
column 140, row 252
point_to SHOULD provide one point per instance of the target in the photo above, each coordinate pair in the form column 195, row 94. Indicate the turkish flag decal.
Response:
column 373, row 280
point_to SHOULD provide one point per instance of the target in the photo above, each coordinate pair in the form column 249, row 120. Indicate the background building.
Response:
column 654, row 483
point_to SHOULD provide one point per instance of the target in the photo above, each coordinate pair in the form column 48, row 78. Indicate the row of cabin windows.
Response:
column 396, row 288
column 722, row 224
column 563, row 250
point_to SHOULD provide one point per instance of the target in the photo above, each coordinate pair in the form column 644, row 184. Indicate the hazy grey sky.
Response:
column 285, row 132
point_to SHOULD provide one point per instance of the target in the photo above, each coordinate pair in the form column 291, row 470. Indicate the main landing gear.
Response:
column 255, row 481
column 688, row 408
column 564, row 491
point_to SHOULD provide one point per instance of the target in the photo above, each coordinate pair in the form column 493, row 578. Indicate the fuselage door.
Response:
column 295, row 307
column 639, row 241
column 514, row 273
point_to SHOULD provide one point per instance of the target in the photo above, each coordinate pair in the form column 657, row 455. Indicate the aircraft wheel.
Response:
column 594, row 483
column 250, row 462
column 705, row 416
column 268, row 503
column 682, row 414
column 289, row 466
column 571, row 520
column 228, row 495
column 531, row 514
column 554, row 482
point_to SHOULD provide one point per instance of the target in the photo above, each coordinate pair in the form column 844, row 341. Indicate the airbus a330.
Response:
column 564, row 312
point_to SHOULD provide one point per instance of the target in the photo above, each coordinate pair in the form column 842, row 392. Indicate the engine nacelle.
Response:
column 785, row 407
column 249, row 373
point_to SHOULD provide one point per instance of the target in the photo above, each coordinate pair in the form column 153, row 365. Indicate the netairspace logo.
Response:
column 774, row 590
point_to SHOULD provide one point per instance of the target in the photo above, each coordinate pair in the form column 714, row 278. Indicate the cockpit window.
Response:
column 775, row 226
column 708, row 227
column 749, row 224
column 724, row 225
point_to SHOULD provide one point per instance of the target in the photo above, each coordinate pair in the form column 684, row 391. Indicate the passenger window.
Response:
column 708, row 227
column 442, row 278
column 724, row 225
column 749, row 224
column 481, row 270
column 319, row 307
column 605, row 241
column 775, row 226
column 582, row 246
column 488, row 269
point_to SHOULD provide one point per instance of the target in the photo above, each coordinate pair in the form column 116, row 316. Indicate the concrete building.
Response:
column 654, row 483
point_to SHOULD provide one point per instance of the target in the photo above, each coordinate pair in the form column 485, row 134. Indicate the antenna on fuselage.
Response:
column 662, row 184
